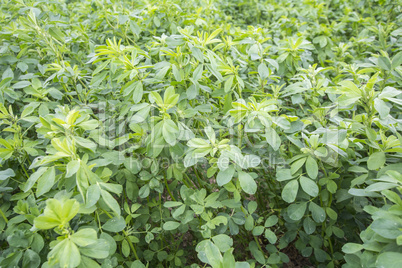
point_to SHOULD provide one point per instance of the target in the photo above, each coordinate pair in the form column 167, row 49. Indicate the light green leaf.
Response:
column 317, row 212
column 309, row 186
column 273, row 138
column 311, row 167
column 93, row 195
column 351, row 248
column 225, row 176
column 389, row 260
column 223, row 242
column 290, row 190
column 384, row 63
column 263, row 71
column 115, row 224
column 247, row 183
column 283, row 175
column 65, row 254
column 138, row 92
column 170, row 131
column 34, row 178
column 5, row 174
column 297, row 165
column 98, row 250
column 46, row 182
column 271, row 236
column 271, row 221
column 110, row 202
column 376, row 160
column 213, row 255
column 296, row 211
column 72, row 168
column 171, row 225
column 84, row 237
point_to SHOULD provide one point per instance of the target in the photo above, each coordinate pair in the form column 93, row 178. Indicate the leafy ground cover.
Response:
column 200, row 133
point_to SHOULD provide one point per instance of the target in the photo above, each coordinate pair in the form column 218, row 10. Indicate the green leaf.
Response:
column 351, row 248
column 65, row 254
column 252, row 207
column 317, row 212
column 115, row 224
column 229, row 83
column 384, row 63
column 296, row 211
column 247, row 182
column 57, row 213
column 273, row 138
column 257, row 254
column 399, row 240
column 381, row 108
column 46, row 222
column 98, row 250
column 213, row 255
column 283, row 175
column 110, row 202
column 144, row 191
column 311, row 167
column 223, row 242
column 297, row 165
column 176, row 73
column 21, row 84
column 27, row 111
column 171, row 225
column 271, row 221
column 352, row 92
column 289, row 192
column 331, row 213
column 170, row 131
column 397, row 60
column 258, row 230
column 137, row 264
column 271, row 236
column 388, row 227
column 376, row 160
column 309, row 186
column 111, row 187
column 170, row 98
column 389, row 260
column 30, row 259
column 138, row 92
column 93, row 195
column 157, row 98
column 171, row 204
column 228, row 259
column 46, row 182
column 88, row 263
column 125, row 248
column 309, row 225
column 56, row 33
column 242, row 264
column 5, row 174
column 84, row 237
column 225, row 176
column 263, row 71
column 72, row 168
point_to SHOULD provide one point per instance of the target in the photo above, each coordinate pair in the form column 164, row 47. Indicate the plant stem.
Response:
column 167, row 188
column 3, row 215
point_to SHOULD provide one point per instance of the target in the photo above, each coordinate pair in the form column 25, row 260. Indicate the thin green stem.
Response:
column 168, row 189
column 3, row 216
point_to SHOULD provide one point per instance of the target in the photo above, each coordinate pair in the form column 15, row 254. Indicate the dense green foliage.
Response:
column 244, row 133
